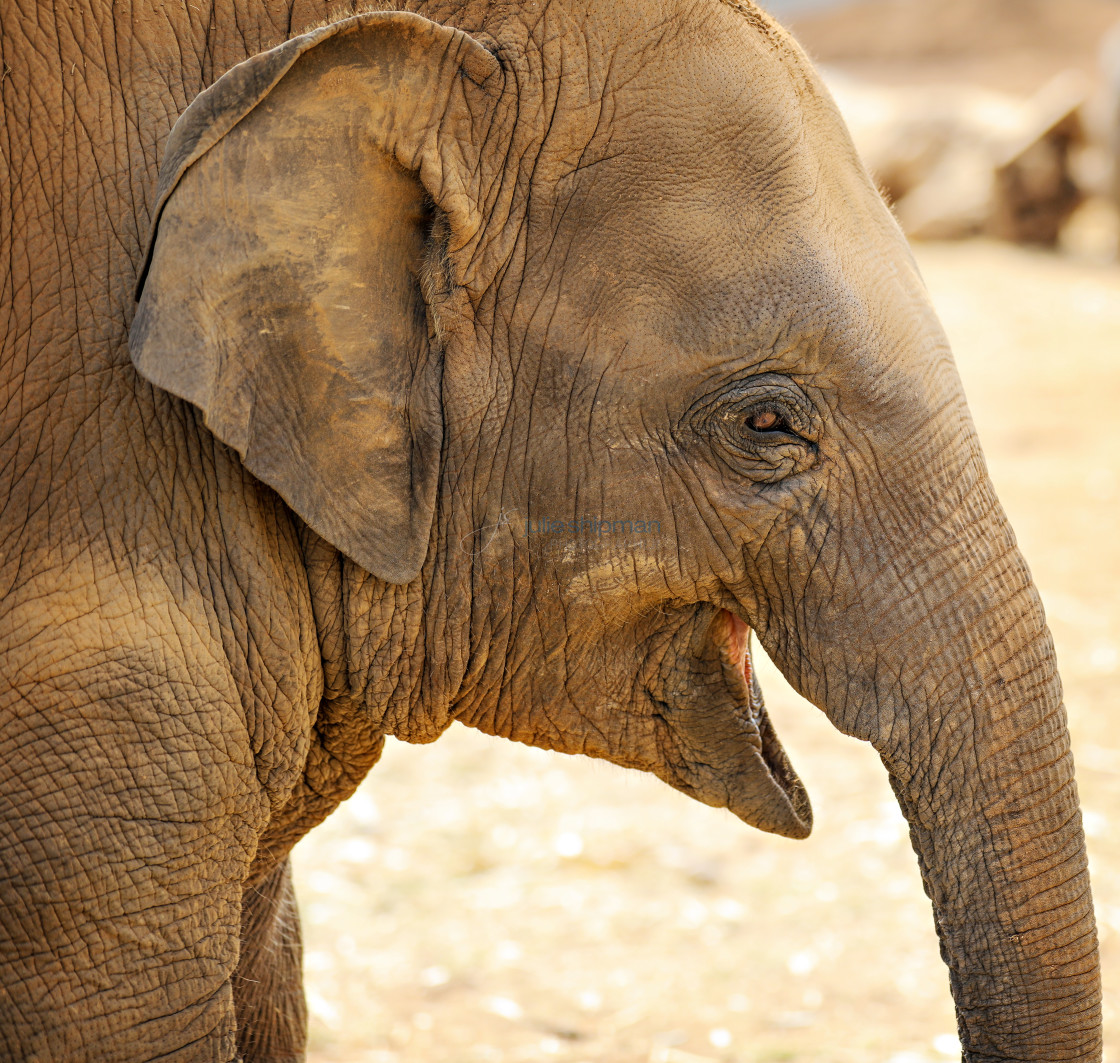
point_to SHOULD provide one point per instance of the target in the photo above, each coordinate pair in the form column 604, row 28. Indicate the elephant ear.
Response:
column 281, row 294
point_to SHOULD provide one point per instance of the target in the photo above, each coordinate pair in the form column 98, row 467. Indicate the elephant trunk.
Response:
column 980, row 763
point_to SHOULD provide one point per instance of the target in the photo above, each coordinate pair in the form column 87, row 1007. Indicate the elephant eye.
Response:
column 766, row 421
column 764, row 427
column 769, row 424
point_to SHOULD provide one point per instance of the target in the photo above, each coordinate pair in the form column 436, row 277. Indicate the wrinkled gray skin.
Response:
column 415, row 295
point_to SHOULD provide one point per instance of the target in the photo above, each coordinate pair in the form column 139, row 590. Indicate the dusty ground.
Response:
column 480, row 902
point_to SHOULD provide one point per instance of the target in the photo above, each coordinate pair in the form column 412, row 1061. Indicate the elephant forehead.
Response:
column 658, row 111
column 799, row 297
column 722, row 193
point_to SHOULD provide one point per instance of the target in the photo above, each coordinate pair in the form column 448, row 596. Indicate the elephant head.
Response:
column 589, row 323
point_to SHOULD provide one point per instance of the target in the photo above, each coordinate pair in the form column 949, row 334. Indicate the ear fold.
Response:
column 282, row 296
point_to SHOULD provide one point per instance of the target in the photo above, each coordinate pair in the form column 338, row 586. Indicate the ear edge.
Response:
column 202, row 124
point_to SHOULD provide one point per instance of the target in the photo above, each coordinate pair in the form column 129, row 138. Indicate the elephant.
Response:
column 510, row 362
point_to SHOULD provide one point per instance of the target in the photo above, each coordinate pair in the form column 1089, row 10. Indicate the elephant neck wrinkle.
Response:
column 353, row 647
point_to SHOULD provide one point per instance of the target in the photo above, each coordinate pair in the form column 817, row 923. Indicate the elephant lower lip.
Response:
column 735, row 633
column 717, row 743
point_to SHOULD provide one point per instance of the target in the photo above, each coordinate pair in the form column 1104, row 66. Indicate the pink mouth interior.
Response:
column 738, row 641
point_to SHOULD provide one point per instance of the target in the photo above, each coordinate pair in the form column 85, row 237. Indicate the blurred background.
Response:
column 482, row 902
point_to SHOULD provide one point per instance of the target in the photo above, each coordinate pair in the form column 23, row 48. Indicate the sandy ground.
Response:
column 480, row 902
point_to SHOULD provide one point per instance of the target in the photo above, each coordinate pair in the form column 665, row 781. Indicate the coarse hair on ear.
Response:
column 304, row 207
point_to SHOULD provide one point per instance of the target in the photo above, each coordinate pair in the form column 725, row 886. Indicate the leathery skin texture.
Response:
column 500, row 362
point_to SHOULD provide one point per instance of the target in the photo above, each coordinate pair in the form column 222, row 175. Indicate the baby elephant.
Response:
column 508, row 363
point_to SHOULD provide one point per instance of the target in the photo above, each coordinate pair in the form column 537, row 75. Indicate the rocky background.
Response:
column 995, row 117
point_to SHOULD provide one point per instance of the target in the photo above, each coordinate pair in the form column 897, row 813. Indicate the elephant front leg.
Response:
column 268, row 984
column 130, row 808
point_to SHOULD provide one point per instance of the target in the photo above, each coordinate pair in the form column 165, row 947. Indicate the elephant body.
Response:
column 409, row 282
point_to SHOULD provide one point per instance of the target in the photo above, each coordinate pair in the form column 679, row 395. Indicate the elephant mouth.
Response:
column 718, row 743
